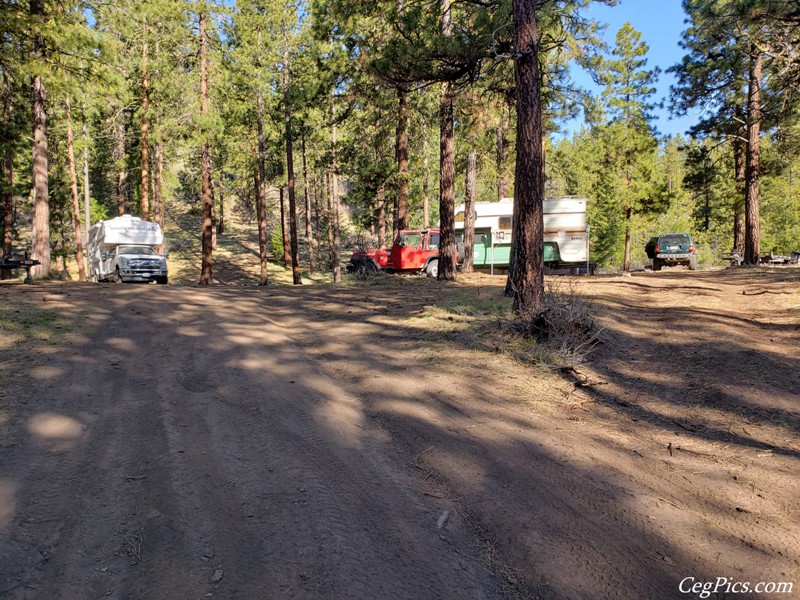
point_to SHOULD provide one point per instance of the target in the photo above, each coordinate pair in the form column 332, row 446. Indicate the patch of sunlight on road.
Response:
column 121, row 343
column 53, row 426
column 8, row 502
column 46, row 372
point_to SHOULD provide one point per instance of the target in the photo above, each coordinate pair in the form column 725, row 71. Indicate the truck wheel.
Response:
column 117, row 277
column 162, row 280
column 656, row 264
column 433, row 269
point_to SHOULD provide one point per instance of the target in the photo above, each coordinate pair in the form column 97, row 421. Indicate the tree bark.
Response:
column 307, row 198
column 381, row 202
column 40, row 227
column 87, row 214
column 529, row 173
column 8, row 191
column 145, row 212
column 287, row 117
column 401, row 151
column 76, row 208
column 426, row 186
column 287, row 254
column 502, row 181
column 447, row 168
column 317, row 223
column 206, row 276
column 626, row 263
column 261, row 210
column 447, row 197
column 329, row 216
column 122, row 171
column 469, row 208
column 8, row 207
column 337, row 268
column 752, row 240
column 158, row 187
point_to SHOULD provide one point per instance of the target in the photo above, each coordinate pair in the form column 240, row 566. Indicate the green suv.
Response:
column 672, row 249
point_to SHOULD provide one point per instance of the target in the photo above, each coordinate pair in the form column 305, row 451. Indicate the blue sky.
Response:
column 661, row 23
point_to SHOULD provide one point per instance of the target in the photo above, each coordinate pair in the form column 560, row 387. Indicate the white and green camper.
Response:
column 566, row 234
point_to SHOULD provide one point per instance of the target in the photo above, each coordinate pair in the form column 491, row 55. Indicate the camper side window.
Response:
column 504, row 223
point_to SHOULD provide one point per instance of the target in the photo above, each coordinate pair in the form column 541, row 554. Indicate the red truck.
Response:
column 414, row 250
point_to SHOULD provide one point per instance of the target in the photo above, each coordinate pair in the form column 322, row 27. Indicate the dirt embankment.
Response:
column 382, row 440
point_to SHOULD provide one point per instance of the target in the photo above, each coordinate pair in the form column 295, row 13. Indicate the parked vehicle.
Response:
column 413, row 250
column 566, row 234
column 672, row 249
column 126, row 249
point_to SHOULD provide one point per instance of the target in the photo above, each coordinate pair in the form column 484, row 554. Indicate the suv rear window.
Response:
column 675, row 238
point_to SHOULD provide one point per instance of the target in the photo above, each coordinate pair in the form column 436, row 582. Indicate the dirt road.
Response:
column 182, row 447
column 301, row 443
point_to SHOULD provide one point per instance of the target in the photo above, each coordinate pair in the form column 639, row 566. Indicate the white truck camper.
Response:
column 125, row 249
column 566, row 234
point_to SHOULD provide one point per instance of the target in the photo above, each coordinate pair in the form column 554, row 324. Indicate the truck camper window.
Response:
column 504, row 223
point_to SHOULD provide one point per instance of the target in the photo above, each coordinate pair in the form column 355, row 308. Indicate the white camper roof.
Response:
column 127, row 230
column 560, row 213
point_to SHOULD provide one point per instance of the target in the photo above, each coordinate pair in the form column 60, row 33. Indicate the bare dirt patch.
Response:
column 306, row 442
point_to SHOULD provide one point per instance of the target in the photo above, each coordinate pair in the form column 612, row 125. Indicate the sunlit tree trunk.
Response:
column 261, row 211
column 469, row 208
column 426, row 186
column 752, row 238
column 337, row 268
column 87, row 214
column 287, row 117
column 145, row 209
column 40, row 227
column 76, row 208
column 206, row 192
column 122, row 170
column 307, row 198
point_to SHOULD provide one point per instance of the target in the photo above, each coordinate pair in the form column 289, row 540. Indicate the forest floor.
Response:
column 391, row 438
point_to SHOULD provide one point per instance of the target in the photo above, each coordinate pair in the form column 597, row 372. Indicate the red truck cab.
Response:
column 413, row 251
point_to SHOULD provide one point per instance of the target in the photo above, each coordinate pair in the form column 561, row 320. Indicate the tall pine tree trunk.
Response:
column 261, row 210
column 401, row 150
column 329, row 216
column 122, row 170
column 469, row 208
column 207, row 232
column 158, row 187
column 145, row 212
column 307, row 198
column 7, row 187
column 87, row 215
column 287, row 255
column 318, row 224
column 40, row 234
column 447, row 167
column 426, row 186
column 337, row 267
column 626, row 263
column 76, row 208
column 529, row 174
column 287, row 118
column 752, row 239
column 501, row 154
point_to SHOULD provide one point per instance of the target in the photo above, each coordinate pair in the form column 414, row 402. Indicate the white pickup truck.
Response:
column 125, row 249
